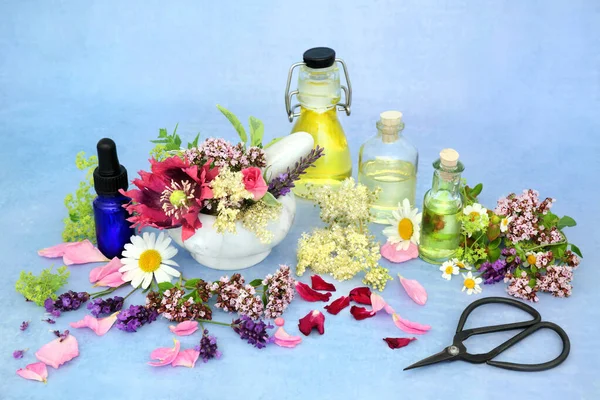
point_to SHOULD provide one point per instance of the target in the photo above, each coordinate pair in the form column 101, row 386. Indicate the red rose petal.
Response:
column 314, row 319
column 309, row 294
column 360, row 313
column 397, row 343
column 338, row 305
column 361, row 295
column 319, row 284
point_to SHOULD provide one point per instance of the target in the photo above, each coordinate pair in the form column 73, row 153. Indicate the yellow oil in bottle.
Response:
column 336, row 164
column 397, row 180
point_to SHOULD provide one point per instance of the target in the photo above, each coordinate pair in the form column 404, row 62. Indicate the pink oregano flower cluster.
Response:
column 523, row 212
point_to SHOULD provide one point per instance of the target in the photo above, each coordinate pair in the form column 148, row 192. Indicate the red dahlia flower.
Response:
column 171, row 195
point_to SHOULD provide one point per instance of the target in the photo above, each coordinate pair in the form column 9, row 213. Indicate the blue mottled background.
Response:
column 513, row 85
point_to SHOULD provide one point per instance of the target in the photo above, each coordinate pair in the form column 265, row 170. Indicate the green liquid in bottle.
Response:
column 440, row 231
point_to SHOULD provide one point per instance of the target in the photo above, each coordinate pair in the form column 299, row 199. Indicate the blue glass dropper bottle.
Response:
column 113, row 230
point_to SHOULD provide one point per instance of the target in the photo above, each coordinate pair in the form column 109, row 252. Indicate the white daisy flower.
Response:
column 406, row 226
column 461, row 264
column 475, row 210
column 504, row 224
column 146, row 257
column 531, row 258
column 448, row 269
column 471, row 284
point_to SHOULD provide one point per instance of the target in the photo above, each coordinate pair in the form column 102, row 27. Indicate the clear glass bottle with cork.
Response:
column 389, row 161
column 442, row 205
column 319, row 93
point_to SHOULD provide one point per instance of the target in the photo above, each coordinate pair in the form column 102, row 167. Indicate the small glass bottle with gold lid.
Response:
column 319, row 93
column 388, row 161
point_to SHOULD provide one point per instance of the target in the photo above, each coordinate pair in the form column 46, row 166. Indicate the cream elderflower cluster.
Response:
column 256, row 218
column 229, row 189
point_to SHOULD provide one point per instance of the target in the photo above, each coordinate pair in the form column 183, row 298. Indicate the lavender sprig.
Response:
column 283, row 183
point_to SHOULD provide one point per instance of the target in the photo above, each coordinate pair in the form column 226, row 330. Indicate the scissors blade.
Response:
column 443, row 355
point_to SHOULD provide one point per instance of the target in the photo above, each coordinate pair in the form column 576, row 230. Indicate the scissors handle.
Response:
column 462, row 335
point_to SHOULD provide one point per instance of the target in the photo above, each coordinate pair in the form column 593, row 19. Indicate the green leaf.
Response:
column 270, row 200
column 272, row 142
column 559, row 251
column 534, row 269
column 162, row 133
column 476, row 190
column 165, row 286
column 265, row 300
column 494, row 254
column 257, row 131
column 518, row 272
column 256, row 282
column 191, row 283
column 549, row 220
column 493, row 232
column 494, row 244
column 235, row 122
column 576, row 250
column 532, row 282
column 566, row 221
column 190, row 294
column 194, row 143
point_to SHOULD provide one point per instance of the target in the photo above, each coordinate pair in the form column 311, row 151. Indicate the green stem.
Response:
column 130, row 293
column 547, row 245
column 103, row 293
column 213, row 322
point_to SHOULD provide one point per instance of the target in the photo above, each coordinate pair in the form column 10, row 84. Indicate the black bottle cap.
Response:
column 109, row 176
column 319, row 57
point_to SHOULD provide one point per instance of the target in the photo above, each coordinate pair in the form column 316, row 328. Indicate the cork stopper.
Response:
column 449, row 158
column 390, row 123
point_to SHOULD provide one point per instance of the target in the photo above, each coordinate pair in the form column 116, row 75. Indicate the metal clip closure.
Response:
column 291, row 111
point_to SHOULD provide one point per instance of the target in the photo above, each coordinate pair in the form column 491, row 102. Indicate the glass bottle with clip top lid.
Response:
column 388, row 161
column 442, row 205
column 319, row 94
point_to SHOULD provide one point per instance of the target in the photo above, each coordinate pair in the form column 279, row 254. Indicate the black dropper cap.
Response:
column 319, row 57
column 109, row 176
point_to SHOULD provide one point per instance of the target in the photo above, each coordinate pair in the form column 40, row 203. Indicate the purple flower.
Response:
column 105, row 306
column 131, row 319
column 255, row 332
column 68, row 301
column 24, row 325
column 19, row 353
column 62, row 335
column 281, row 184
column 49, row 320
column 208, row 347
column 493, row 272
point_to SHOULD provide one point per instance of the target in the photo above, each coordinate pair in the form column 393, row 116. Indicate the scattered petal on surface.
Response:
column 397, row 343
column 414, row 290
column 380, row 304
column 360, row 313
column 314, row 319
column 279, row 321
column 309, row 294
column 186, row 358
column 361, row 295
column 108, row 275
column 165, row 355
column 318, row 283
column 74, row 253
column 36, row 372
column 184, row 328
column 338, row 305
column 19, row 353
column 389, row 252
column 410, row 327
column 99, row 325
column 58, row 351
column 24, row 325
column 284, row 339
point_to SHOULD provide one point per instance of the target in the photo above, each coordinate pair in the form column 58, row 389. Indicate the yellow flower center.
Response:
column 460, row 265
column 150, row 260
column 473, row 215
column 449, row 269
column 405, row 228
column 531, row 259
column 469, row 283
column 178, row 198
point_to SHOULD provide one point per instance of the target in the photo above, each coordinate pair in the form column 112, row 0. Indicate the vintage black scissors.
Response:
column 458, row 351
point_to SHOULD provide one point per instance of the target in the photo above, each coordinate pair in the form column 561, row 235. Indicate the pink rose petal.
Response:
column 414, row 290
column 284, row 339
column 36, row 372
column 184, row 328
column 165, row 355
column 56, row 353
column 108, row 275
column 410, row 327
column 186, row 358
column 389, row 252
column 99, row 325
column 74, row 253
column 379, row 304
